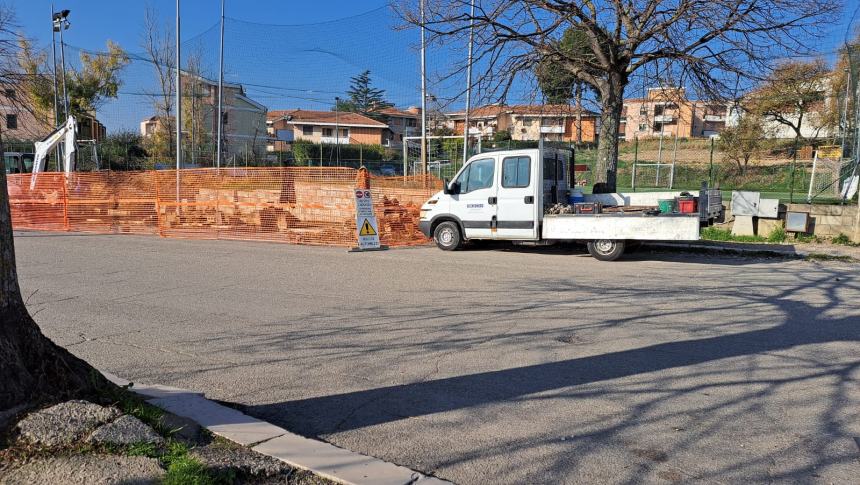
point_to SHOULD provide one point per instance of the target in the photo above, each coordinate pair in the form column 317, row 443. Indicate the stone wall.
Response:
column 831, row 220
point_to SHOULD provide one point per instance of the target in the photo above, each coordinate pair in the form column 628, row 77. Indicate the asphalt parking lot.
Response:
column 491, row 365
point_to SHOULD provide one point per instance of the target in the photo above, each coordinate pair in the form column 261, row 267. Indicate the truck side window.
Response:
column 477, row 175
column 515, row 172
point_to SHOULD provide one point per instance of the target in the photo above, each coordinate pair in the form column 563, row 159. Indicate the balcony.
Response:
column 715, row 118
column 664, row 119
column 552, row 129
column 335, row 140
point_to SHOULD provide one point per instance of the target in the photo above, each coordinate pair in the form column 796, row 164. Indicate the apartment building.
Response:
column 668, row 112
column 244, row 120
column 529, row 122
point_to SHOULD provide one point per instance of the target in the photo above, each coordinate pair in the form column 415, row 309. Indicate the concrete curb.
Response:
column 733, row 248
column 322, row 458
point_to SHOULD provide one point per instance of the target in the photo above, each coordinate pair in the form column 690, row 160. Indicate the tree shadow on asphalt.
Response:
column 746, row 361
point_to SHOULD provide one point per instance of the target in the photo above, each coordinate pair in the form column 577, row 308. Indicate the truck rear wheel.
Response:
column 606, row 249
column 447, row 236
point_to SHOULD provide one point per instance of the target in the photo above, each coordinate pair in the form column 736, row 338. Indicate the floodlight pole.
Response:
column 178, row 103
column 423, row 96
column 469, row 83
column 63, row 27
column 220, row 91
column 54, row 67
column 845, row 111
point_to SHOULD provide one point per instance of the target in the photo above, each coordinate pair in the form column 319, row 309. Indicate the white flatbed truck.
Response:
column 503, row 196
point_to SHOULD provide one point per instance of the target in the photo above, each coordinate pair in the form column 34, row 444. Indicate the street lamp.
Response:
column 61, row 23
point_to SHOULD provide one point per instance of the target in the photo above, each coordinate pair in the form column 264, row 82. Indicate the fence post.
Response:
column 674, row 159
column 711, row 165
column 157, row 203
column 65, row 204
column 791, row 178
column 635, row 159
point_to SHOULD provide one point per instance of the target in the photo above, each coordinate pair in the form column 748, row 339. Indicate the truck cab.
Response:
column 509, row 195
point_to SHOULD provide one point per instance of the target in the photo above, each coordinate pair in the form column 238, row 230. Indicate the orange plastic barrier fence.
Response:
column 299, row 205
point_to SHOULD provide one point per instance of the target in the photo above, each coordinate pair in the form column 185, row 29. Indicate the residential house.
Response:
column 667, row 112
column 530, row 122
column 244, row 120
column 815, row 121
column 401, row 124
column 287, row 126
column 19, row 121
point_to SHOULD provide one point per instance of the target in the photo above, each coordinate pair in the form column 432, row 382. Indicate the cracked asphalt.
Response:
column 492, row 365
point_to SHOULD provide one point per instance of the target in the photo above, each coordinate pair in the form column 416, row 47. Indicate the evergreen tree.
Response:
column 363, row 98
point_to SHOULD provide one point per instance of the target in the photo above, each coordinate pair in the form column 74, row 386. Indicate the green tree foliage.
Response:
column 556, row 81
column 89, row 87
column 364, row 98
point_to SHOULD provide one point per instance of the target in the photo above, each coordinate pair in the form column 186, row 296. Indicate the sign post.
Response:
column 367, row 229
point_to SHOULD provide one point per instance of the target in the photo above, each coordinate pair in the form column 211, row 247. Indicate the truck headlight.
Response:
column 424, row 214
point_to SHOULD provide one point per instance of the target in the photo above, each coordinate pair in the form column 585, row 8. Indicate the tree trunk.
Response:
column 612, row 104
column 33, row 370
column 578, row 112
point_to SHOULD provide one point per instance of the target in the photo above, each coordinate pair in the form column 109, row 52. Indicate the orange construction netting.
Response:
column 299, row 205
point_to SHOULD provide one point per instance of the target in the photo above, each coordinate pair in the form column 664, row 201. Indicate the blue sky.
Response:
column 95, row 21
column 287, row 53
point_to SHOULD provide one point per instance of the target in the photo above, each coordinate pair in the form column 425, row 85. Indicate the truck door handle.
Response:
column 529, row 199
column 492, row 201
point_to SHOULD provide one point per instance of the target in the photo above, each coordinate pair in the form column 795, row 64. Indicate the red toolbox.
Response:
column 686, row 205
column 586, row 208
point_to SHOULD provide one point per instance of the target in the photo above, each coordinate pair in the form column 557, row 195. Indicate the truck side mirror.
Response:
column 445, row 188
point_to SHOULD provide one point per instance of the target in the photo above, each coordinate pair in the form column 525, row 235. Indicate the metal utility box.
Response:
column 745, row 203
column 797, row 222
column 768, row 208
column 751, row 204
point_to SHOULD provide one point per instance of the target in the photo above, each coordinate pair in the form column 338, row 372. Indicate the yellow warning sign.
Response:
column 367, row 229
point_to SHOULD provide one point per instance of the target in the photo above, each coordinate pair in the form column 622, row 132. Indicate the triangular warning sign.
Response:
column 367, row 229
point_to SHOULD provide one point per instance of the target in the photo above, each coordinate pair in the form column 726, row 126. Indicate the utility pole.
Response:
column 337, row 126
column 423, row 96
column 220, row 91
column 468, row 82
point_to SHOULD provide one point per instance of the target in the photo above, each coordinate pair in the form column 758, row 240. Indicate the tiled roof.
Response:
column 410, row 113
column 300, row 116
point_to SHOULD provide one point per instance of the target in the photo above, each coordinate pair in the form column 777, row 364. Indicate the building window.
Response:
column 327, row 132
column 642, row 126
column 12, row 122
column 643, row 110
column 307, row 130
column 658, row 110
column 411, row 122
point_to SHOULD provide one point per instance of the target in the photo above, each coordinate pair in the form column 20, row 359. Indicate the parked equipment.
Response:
column 66, row 134
column 514, row 195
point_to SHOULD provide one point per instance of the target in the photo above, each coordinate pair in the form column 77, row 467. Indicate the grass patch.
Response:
column 777, row 235
column 725, row 235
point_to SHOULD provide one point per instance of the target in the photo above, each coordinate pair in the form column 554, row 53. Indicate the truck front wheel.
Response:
column 606, row 249
column 447, row 236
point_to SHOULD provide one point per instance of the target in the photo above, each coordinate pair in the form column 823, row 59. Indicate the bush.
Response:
column 777, row 235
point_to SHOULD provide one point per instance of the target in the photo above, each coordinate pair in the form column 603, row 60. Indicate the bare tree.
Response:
column 33, row 369
column 158, row 45
column 703, row 44
column 791, row 94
